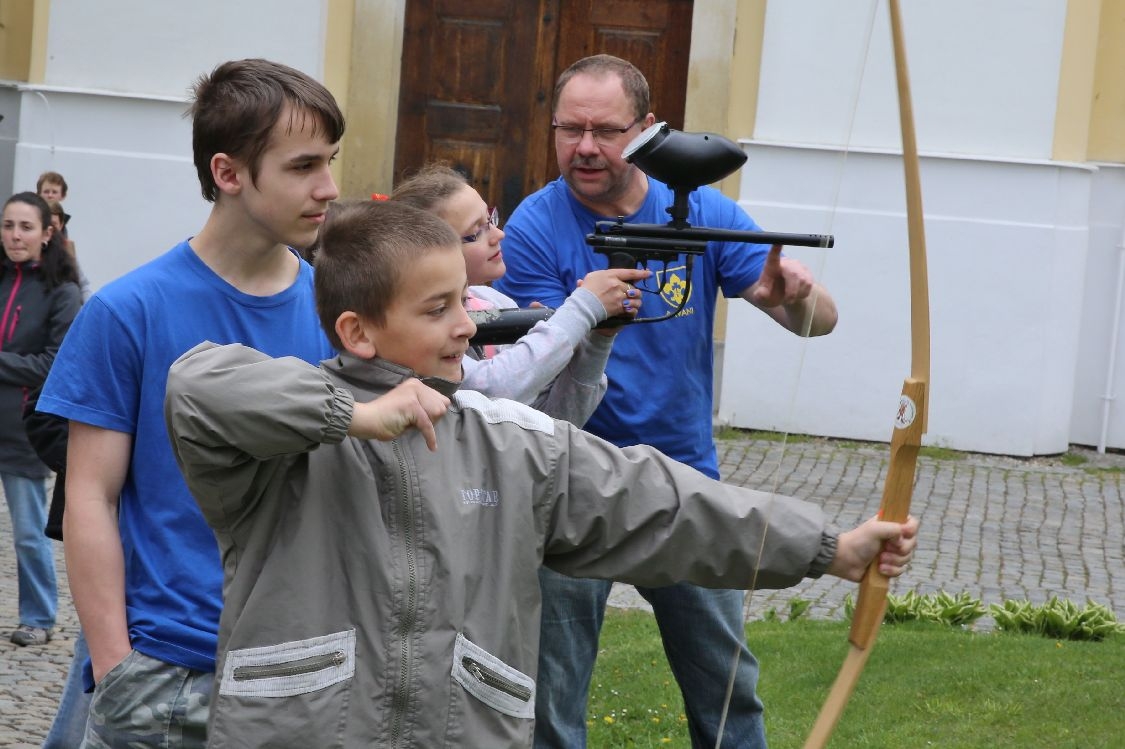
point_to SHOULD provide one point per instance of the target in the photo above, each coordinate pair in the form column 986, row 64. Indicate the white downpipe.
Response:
column 1111, row 367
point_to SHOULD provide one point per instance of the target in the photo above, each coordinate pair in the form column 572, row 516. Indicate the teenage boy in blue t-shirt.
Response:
column 144, row 567
column 659, row 394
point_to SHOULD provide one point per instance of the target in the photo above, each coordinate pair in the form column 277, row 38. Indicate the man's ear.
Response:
column 224, row 170
column 355, row 335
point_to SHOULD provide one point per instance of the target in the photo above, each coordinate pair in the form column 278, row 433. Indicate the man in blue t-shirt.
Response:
column 144, row 567
column 659, row 393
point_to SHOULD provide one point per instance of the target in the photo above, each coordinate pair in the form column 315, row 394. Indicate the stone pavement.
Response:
column 994, row 527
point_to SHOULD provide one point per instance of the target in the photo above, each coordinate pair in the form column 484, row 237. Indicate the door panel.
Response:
column 478, row 76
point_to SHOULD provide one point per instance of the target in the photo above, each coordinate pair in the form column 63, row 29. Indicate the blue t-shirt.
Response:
column 660, row 374
column 111, row 372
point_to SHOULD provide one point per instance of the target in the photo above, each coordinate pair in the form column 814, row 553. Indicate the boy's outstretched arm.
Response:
column 894, row 543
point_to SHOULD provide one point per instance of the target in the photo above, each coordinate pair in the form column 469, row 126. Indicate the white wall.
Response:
column 985, row 75
column 1016, row 360
column 109, row 116
column 127, row 161
column 140, row 46
column 9, row 135
column 1099, row 392
column 1007, row 245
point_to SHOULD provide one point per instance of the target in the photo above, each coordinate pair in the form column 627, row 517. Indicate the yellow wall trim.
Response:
column 1076, row 81
column 1107, row 119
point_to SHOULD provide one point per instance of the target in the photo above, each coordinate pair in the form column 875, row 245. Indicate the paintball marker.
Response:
column 684, row 162
column 498, row 326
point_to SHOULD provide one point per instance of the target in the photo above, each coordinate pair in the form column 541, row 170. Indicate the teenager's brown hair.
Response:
column 235, row 108
column 364, row 247
column 632, row 80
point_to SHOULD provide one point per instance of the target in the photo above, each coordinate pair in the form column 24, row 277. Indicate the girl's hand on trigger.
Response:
column 614, row 287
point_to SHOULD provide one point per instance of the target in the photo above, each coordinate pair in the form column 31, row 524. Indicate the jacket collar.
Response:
column 7, row 263
column 376, row 376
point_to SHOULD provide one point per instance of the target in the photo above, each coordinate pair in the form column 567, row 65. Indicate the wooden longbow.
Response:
column 910, row 419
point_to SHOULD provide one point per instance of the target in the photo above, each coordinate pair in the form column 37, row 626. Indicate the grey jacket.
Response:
column 379, row 594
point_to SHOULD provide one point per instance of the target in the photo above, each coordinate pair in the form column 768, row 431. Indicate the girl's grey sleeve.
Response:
column 525, row 369
column 579, row 388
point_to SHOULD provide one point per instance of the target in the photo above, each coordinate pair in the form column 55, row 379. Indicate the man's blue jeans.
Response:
column 74, row 705
column 35, row 559
column 700, row 628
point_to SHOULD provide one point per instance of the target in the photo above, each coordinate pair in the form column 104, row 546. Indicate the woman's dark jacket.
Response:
column 33, row 321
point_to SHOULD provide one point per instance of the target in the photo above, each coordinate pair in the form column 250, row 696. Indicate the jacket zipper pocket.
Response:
column 490, row 678
column 290, row 668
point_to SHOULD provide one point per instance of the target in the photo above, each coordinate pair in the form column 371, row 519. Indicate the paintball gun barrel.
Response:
column 683, row 161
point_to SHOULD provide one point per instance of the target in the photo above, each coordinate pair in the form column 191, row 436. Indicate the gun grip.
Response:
column 622, row 260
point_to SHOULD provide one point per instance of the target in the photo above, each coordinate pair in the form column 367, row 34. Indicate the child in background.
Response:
column 565, row 347
column 386, row 594
column 59, row 219
column 52, row 187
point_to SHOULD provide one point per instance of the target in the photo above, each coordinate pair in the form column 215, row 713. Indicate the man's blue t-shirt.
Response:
column 660, row 374
column 111, row 372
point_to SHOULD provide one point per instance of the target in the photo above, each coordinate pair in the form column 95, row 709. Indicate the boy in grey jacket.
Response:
column 378, row 593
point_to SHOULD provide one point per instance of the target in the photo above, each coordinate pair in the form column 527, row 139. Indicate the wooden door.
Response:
column 478, row 76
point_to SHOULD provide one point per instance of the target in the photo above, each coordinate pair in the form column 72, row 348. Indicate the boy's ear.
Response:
column 355, row 335
column 224, row 170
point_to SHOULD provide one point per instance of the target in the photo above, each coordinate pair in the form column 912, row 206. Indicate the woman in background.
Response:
column 39, row 298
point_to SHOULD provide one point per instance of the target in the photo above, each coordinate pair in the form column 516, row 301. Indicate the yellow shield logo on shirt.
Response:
column 672, row 283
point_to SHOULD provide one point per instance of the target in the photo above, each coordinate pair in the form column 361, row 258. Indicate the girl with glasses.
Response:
column 558, row 367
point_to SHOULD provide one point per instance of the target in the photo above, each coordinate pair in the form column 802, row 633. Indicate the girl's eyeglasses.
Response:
column 493, row 220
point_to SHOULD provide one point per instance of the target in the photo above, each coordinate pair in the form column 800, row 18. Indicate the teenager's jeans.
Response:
column 74, row 706
column 701, row 630
column 35, row 559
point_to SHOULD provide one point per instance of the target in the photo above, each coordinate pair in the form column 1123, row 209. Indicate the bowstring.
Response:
column 802, row 350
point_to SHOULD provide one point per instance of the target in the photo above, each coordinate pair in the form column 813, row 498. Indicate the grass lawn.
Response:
column 924, row 685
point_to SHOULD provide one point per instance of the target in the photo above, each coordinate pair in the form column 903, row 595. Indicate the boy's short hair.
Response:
column 632, row 80
column 364, row 247
column 54, row 178
column 429, row 186
column 235, row 108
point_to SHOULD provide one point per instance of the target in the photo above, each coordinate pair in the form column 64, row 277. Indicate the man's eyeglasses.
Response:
column 493, row 220
column 603, row 136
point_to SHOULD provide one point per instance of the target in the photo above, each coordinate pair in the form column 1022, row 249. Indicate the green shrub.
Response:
column 798, row 608
column 940, row 608
column 1057, row 619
